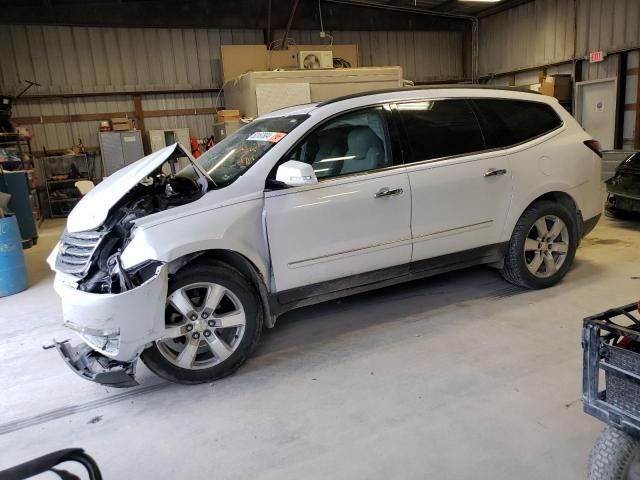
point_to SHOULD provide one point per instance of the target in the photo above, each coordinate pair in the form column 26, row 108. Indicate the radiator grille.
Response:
column 76, row 251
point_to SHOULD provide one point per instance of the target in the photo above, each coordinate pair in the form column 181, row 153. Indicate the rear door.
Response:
column 460, row 192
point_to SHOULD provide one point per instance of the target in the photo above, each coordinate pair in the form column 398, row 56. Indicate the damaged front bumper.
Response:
column 95, row 367
column 118, row 326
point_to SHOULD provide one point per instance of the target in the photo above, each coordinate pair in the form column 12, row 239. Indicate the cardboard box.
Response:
column 228, row 115
column 120, row 124
column 120, row 127
column 558, row 86
column 240, row 59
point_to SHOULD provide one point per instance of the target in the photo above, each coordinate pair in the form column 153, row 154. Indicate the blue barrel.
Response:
column 13, row 269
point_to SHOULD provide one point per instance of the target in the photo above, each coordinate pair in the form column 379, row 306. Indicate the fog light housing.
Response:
column 104, row 340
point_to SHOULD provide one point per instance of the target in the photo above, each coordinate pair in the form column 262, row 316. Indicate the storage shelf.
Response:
column 54, row 182
column 63, row 200
column 64, row 165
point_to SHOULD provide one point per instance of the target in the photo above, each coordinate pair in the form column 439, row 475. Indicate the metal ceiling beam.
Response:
column 501, row 7
column 338, row 15
column 413, row 10
column 446, row 5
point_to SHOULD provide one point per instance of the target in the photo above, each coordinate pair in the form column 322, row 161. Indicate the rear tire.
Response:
column 615, row 456
column 213, row 322
column 542, row 246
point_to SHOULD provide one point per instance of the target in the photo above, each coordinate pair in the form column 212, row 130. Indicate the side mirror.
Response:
column 296, row 174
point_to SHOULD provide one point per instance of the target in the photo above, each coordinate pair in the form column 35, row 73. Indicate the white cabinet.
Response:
column 247, row 95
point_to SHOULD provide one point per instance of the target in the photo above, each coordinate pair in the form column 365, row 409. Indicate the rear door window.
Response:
column 439, row 128
column 509, row 122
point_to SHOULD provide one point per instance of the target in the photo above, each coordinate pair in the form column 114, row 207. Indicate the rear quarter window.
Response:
column 509, row 122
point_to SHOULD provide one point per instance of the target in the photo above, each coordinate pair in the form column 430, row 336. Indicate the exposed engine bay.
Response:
column 159, row 191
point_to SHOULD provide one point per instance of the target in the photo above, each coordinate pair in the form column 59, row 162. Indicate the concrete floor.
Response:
column 455, row 377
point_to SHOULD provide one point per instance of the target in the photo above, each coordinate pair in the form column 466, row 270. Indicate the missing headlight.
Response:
column 144, row 272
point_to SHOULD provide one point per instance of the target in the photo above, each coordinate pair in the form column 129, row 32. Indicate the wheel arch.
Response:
column 239, row 262
column 556, row 196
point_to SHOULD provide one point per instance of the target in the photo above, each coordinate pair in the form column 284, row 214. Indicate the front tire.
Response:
column 213, row 319
column 542, row 246
column 615, row 456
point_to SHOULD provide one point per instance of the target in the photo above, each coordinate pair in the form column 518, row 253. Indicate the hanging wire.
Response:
column 322, row 32
column 475, row 27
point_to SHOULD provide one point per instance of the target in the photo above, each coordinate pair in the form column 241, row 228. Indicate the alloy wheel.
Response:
column 205, row 323
column 546, row 246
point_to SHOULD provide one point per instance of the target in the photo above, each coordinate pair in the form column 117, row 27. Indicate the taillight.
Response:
column 595, row 146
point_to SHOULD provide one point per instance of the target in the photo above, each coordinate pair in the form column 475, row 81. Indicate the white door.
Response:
column 458, row 205
column 596, row 109
column 460, row 197
column 356, row 220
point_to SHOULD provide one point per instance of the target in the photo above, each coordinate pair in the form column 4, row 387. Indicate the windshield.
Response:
column 235, row 154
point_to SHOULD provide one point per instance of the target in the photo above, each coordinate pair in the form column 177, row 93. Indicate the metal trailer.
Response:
column 611, row 345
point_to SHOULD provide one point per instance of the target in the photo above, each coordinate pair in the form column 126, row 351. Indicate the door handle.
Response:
column 385, row 192
column 493, row 172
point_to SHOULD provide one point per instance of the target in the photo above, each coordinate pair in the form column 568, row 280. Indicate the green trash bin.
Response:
column 13, row 268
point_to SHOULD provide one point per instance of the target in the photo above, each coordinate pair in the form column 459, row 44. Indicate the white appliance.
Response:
column 162, row 138
column 323, row 85
column 310, row 60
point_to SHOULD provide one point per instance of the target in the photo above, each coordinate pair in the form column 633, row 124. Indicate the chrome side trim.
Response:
column 453, row 231
column 298, row 263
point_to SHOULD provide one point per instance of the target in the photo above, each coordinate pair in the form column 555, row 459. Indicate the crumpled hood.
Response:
column 92, row 210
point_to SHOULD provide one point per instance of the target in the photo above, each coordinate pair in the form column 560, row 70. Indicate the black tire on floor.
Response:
column 230, row 278
column 515, row 269
column 615, row 456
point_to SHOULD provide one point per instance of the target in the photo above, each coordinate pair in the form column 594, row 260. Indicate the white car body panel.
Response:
column 138, row 314
column 338, row 228
column 455, row 207
column 302, row 236
column 237, row 227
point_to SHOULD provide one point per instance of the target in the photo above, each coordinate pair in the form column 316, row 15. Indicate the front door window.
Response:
column 351, row 143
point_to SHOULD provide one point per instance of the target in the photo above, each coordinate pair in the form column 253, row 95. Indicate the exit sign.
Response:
column 595, row 57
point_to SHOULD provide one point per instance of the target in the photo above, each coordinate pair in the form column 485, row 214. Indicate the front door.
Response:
column 353, row 227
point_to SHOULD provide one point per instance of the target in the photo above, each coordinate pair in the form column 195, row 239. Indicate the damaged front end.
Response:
column 93, row 256
column 118, row 311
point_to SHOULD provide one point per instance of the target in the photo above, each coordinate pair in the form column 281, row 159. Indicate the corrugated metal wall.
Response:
column 542, row 32
column 89, row 60
column 67, row 60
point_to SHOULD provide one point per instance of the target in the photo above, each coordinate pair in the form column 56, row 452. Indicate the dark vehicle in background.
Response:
column 623, row 189
column 611, row 391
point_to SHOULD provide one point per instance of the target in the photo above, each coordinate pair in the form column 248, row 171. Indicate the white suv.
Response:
column 184, row 266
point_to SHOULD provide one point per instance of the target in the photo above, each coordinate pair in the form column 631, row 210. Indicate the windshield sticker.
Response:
column 273, row 137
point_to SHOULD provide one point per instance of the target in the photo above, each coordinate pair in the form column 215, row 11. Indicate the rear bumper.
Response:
column 118, row 326
column 616, row 201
